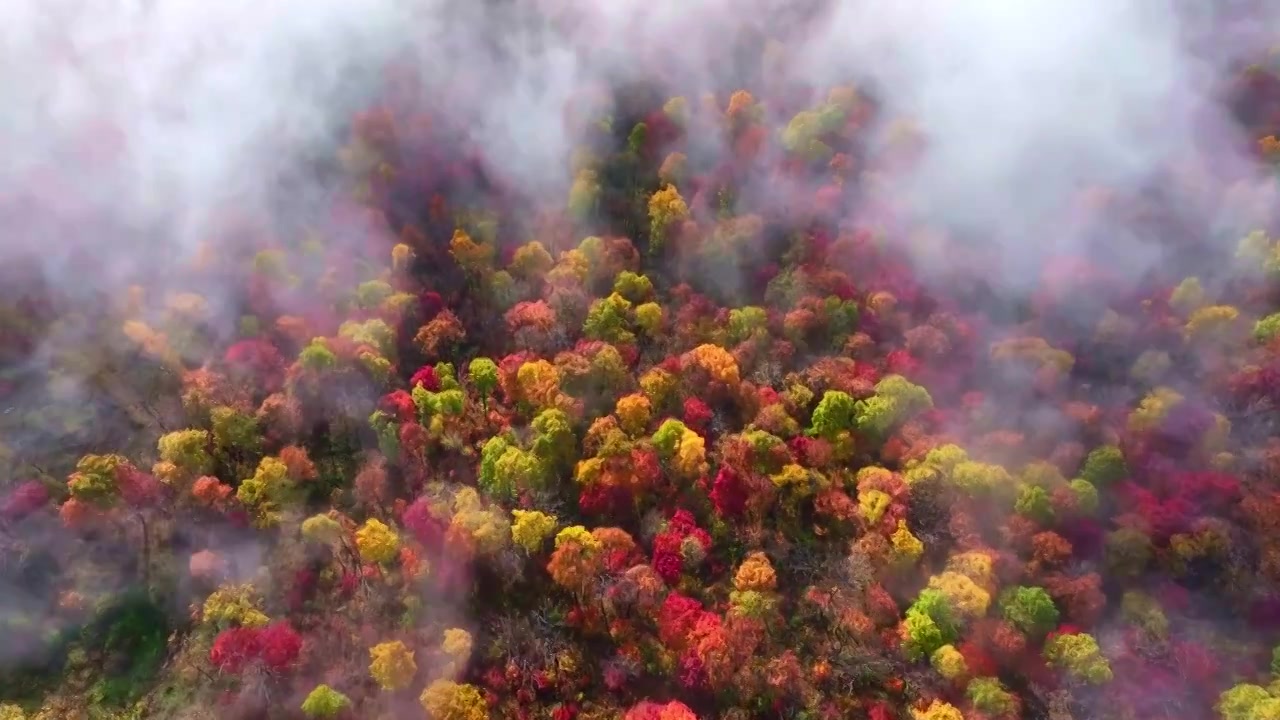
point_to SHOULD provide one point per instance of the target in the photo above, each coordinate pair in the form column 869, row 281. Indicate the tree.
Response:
column 648, row 710
column 575, row 557
column 483, row 375
column 456, row 645
column 1267, row 329
column 264, row 492
column 554, row 443
column 633, row 412
column 607, row 320
column 801, row 137
column 745, row 322
column 584, row 195
column 1214, row 323
column 518, row 470
column 448, row 700
column 633, row 287
column 666, row 207
column 906, row 548
column 649, row 317
column 402, row 257
column 682, row 447
column 1242, row 701
column 928, row 625
column 718, row 363
column 538, row 382
column 376, row 542
column 674, row 168
column 1034, row 503
column 187, row 452
column 391, row 665
column 324, row 702
column 475, row 259
column 102, row 483
column 668, row 436
column 938, row 710
column 375, row 334
column 1104, row 466
column 95, row 479
column 755, row 573
column 234, row 605
column 895, row 401
column 964, row 596
column 834, row 414
column 1188, row 296
column 531, row 528
column 280, row 646
column 1030, row 609
column 990, row 697
column 948, row 662
column 1079, row 655
column 531, row 261
column 498, row 485
column 437, row 337
column 317, row 358
column 321, row 529
column 372, row 293
column 235, row 648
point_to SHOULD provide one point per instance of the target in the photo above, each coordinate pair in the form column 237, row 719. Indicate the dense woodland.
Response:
column 675, row 446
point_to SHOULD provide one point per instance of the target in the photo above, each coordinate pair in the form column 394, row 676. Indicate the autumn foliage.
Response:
column 666, row 446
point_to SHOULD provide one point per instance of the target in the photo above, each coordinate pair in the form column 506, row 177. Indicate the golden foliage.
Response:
column 391, row 665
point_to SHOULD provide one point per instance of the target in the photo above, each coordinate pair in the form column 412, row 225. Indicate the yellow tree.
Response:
column 391, row 665
column 666, row 207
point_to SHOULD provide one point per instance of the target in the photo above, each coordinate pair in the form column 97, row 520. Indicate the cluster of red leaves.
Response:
column 276, row 646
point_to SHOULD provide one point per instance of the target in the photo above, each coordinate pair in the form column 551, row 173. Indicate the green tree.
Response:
column 635, row 288
column 895, row 401
column 1030, row 609
column 989, row 696
column 1267, row 329
column 745, row 321
column 324, row 702
column 483, row 375
column 834, row 414
column 928, row 625
column 1079, row 655
column 316, row 357
column 668, row 435
column 187, row 450
column 607, row 320
column 554, row 444
column 1104, row 466
column 490, row 481
column 1033, row 502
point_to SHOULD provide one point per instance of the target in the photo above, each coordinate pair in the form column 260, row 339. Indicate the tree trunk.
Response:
column 146, row 552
